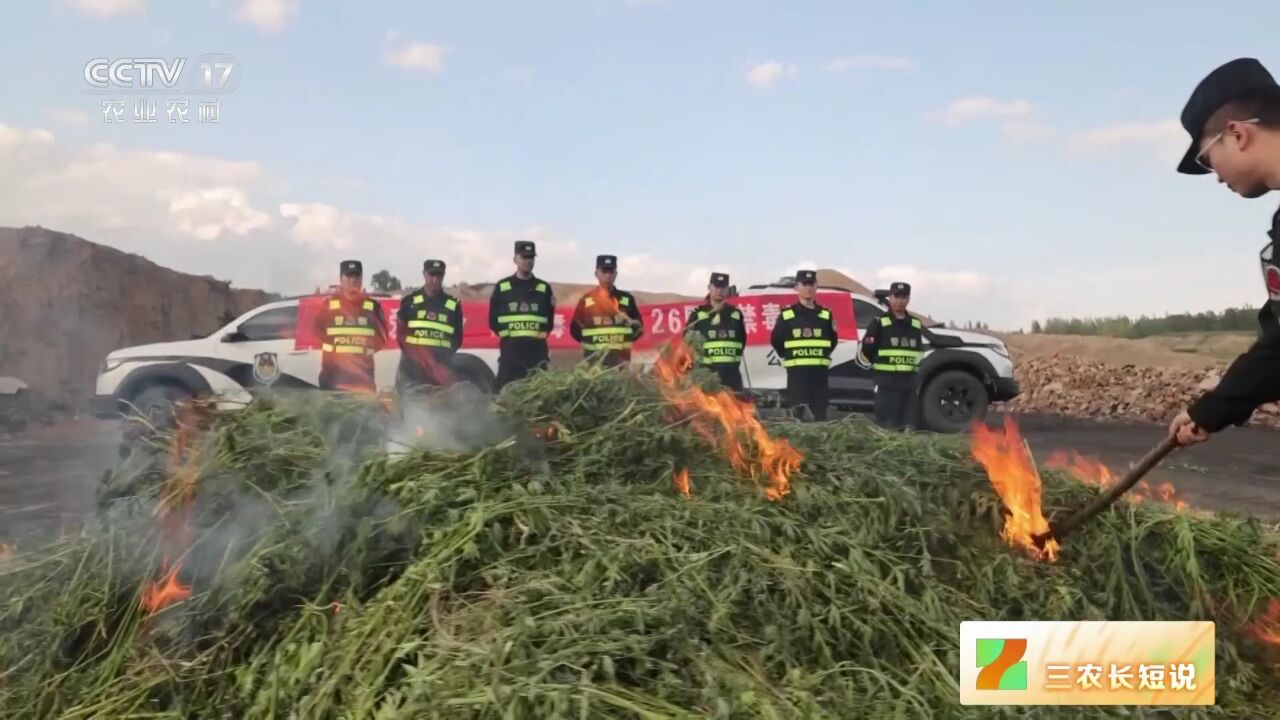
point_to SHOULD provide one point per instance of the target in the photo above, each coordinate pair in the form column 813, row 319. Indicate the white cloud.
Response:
column 767, row 74
column 1166, row 139
column 958, row 112
column 208, row 213
column 222, row 217
column 643, row 271
column 330, row 234
column 416, row 56
column 84, row 190
column 324, row 227
column 14, row 140
column 68, row 117
column 269, row 16
column 109, row 8
column 1016, row 117
column 945, row 281
column 850, row 63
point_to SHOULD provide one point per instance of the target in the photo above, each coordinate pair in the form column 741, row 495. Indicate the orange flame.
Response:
column 7, row 552
column 680, row 478
column 174, row 508
column 1266, row 627
column 420, row 431
column 1013, row 474
column 1088, row 470
column 605, row 304
column 165, row 592
column 1092, row 471
column 775, row 459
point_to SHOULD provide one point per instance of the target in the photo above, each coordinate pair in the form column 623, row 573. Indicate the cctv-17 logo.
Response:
column 217, row 73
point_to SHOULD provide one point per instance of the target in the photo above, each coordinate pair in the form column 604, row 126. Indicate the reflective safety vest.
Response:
column 722, row 332
column 351, row 330
column 810, row 338
column 898, row 346
column 524, row 310
column 605, row 332
column 433, row 322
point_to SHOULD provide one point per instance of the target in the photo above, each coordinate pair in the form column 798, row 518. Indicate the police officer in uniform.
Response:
column 352, row 328
column 521, row 313
column 1233, row 118
column 719, row 325
column 893, row 346
column 804, row 337
column 429, row 329
column 607, row 320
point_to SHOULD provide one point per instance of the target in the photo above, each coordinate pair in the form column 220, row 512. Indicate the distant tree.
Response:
column 384, row 281
column 1231, row 319
column 1035, row 327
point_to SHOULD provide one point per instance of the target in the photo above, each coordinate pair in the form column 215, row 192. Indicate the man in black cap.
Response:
column 804, row 337
column 522, row 313
column 607, row 320
column 429, row 330
column 893, row 346
column 352, row 328
column 723, row 333
column 1233, row 118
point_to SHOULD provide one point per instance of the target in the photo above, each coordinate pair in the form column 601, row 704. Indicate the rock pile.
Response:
column 1079, row 387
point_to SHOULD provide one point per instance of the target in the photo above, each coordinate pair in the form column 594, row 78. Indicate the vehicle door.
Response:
column 761, row 367
column 259, row 352
column 850, row 378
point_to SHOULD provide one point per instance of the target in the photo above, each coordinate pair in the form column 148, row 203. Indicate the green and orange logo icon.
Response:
column 1001, row 663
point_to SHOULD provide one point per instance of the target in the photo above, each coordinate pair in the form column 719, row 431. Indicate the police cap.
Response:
column 806, row 277
column 1237, row 79
column 720, row 279
column 900, row 288
column 351, row 267
column 606, row 262
column 525, row 248
column 433, row 267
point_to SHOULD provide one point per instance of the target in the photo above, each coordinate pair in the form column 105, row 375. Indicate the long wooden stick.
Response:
column 1057, row 531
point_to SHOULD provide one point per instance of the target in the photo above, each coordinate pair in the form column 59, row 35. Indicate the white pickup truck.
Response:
column 257, row 350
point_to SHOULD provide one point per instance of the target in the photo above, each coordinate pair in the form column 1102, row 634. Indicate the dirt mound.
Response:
column 1077, row 386
column 68, row 302
column 837, row 279
column 1188, row 351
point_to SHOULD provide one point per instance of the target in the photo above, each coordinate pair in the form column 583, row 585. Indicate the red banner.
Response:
column 661, row 322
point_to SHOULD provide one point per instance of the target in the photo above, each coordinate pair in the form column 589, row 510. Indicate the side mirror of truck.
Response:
column 234, row 336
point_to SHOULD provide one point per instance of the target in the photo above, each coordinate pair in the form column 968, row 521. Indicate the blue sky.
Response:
column 1013, row 160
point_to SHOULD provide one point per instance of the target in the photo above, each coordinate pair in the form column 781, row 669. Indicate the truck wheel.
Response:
column 472, row 369
column 158, row 403
column 952, row 400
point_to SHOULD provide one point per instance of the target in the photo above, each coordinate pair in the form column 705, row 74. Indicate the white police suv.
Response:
column 957, row 381
column 256, row 350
